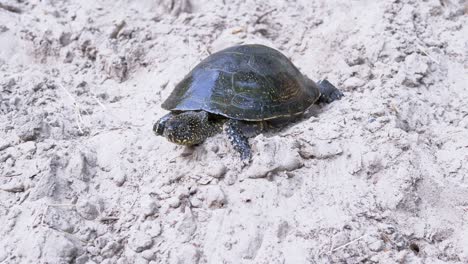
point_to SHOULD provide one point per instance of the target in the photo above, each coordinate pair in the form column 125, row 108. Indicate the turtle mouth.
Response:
column 171, row 139
column 184, row 142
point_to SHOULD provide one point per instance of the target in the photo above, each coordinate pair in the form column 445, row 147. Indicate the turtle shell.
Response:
column 246, row 82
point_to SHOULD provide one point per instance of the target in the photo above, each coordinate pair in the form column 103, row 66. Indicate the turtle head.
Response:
column 186, row 128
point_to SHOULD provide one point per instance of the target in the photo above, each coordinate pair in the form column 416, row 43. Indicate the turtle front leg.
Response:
column 237, row 138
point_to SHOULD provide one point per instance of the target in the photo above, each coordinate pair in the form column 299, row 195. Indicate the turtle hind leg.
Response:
column 237, row 138
column 328, row 92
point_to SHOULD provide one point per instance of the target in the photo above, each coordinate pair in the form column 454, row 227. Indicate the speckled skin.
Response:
column 192, row 128
column 240, row 88
column 188, row 128
column 233, row 129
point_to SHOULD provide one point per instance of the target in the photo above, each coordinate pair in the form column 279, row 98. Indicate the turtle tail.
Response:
column 328, row 92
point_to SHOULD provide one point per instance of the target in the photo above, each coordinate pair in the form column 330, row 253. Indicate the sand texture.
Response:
column 380, row 176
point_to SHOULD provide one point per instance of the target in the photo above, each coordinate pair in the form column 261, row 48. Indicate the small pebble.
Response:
column 353, row 83
column 153, row 229
column 182, row 192
column 196, row 202
column 215, row 197
column 217, row 171
column 174, row 202
column 283, row 229
column 215, row 148
column 149, row 206
column 186, row 227
column 87, row 210
column 111, row 249
column 119, row 179
column 193, row 189
column 149, row 254
column 140, row 241
column 375, row 244
column 14, row 186
column 230, row 179
column 204, row 180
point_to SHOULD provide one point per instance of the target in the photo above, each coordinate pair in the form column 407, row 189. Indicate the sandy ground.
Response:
column 378, row 177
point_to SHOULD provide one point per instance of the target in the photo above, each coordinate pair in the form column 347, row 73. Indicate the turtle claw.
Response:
column 246, row 156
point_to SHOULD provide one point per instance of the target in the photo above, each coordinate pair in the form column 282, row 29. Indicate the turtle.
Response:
column 243, row 90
